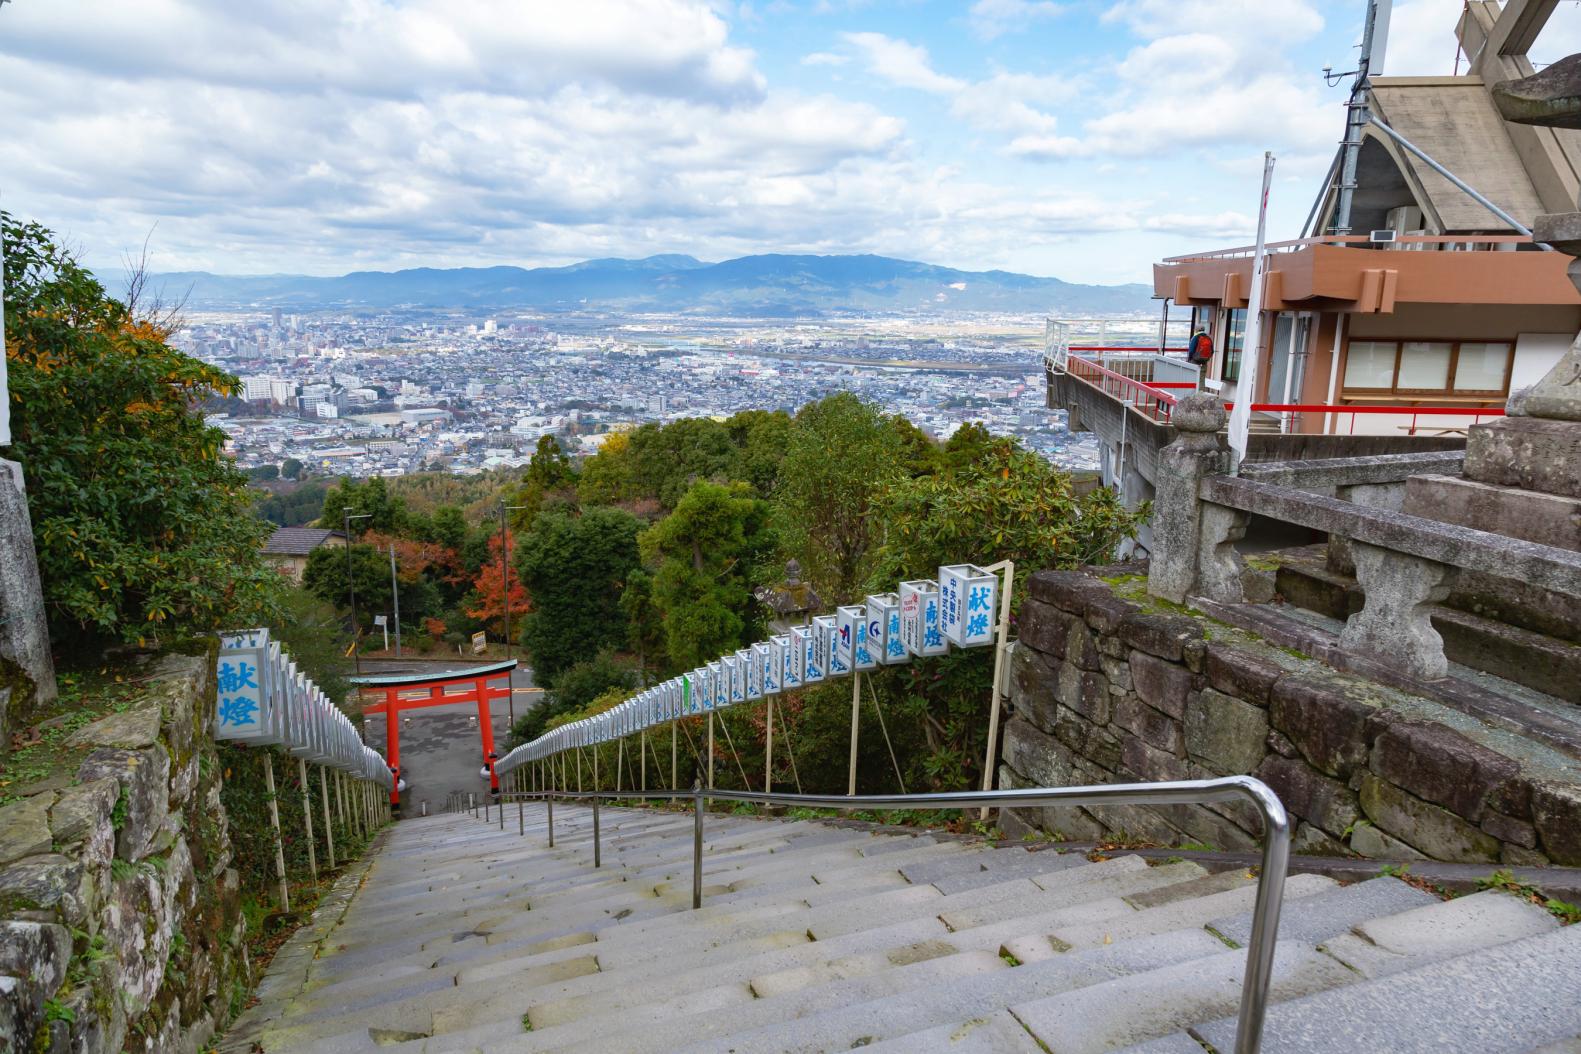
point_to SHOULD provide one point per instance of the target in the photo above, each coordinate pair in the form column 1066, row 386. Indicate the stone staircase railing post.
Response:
column 1395, row 623
column 1196, row 453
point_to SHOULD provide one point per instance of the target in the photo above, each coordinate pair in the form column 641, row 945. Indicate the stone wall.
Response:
column 120, row 923
column 1109, row 686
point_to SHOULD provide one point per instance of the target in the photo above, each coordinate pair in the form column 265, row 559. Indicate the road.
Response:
column 441, row 748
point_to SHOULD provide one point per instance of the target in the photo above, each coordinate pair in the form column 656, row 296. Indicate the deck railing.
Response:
column 1257, row 981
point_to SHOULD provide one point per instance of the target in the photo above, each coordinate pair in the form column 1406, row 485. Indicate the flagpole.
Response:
column 1246, row 384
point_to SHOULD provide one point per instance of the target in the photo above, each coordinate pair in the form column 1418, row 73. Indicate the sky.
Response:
column 1073, row 138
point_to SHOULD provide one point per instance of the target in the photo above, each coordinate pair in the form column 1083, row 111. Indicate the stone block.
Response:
column 1310, row 841
column 1194, row 654
column 1201, row 824
column 1033, row 686
column 1377, row 844
column 1241, row 672
column 1153, row 727
column 1159, row 634
column 1556, row 813
column 82, row 809
column 1081, row 649
column 1117, row 672
column 144, row 776
column 1106, row 611
column 1150, row 764
column 1323, row 802
column 33, row 962
column 1084, row 692
column 1043, row 628
column 1547, row 519
column 50, row 882
column 1092, row 742
column 1279, row 743
column 1529, row 452
column 1161, row 684
column 131, row 730
column 1508, row 829
column 1225, row 732
column 24, row 827
column 1438, row 764
column 24, row 630
column 1043, row 760
column 1067, row 590
column 1330, row 729
column 1437, row 832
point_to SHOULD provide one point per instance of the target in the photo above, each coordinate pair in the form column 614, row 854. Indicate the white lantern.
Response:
column 966, row 605
column 719, row 681
column 735, row 681
column 785, row 658
column 768, row 667
column 753, row 671
column 883, row 629
column 803, row 657
column 826, row 634
column 851, row 622
column 919, row 618
column 243, row 703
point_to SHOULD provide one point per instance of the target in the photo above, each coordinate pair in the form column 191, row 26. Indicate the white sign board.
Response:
column 883, row 629
column 966, row 604
column 919, row 618
column 242, row 703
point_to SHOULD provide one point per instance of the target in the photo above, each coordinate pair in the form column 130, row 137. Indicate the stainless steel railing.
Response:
column 1258, row 977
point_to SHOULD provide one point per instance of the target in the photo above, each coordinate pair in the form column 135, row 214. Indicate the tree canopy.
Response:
column 574, row 568
column 142, row 524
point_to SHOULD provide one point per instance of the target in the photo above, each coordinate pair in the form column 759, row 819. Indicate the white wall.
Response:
column 1535, row 355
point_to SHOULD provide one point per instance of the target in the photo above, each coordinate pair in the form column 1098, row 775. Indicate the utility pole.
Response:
column 395, row 600
column 351, row 584
column 1374, row 41
column 505, row 598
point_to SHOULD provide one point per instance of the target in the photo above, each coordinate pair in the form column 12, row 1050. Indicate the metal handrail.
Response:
column 1257, row 981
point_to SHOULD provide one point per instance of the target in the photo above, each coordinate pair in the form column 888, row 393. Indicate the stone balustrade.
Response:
column 1405, row 564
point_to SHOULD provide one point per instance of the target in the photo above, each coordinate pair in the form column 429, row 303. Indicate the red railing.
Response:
column 1153, row 400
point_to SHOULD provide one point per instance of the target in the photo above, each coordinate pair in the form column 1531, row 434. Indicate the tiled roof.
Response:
column 297, row 541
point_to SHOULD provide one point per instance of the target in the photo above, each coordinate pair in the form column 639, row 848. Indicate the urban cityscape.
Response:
column 349, row 394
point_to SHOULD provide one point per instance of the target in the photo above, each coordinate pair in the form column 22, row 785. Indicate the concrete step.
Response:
column 1518, row 996
column 1144, row 1006
column 996, row 1033
column 1313, row 920
column 1438, row 931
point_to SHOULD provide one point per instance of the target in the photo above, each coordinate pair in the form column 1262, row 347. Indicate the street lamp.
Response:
column 505, row 596
column 351, row 584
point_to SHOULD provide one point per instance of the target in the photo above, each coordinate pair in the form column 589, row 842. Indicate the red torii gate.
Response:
column 433, row 686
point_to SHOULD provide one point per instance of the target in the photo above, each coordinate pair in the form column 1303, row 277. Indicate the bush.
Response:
column 141, row 522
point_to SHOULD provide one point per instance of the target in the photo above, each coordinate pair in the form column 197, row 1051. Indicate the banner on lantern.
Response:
column 966, row 604
column 242, row 699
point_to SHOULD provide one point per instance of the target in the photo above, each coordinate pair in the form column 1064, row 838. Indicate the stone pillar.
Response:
column 1177, row 506
column 24, row 633
column 1395, row 624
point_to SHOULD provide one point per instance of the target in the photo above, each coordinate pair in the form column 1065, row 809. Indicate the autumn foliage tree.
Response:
column 491, row 588
column 142, row 524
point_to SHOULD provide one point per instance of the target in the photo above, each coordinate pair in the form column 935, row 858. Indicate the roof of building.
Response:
column 1453, row 120
column 297, row 541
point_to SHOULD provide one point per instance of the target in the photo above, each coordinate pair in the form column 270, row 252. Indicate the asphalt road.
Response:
column 441, row 747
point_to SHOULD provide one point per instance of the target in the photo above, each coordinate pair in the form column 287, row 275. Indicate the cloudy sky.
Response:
column 1075, row 138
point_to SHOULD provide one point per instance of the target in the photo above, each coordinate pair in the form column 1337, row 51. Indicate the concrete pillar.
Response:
column 24, row 632
column 1177, row 507
column 1395, row 624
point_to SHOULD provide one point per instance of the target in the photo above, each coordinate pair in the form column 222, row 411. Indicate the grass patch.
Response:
column 39, row 750
column 1567, row 913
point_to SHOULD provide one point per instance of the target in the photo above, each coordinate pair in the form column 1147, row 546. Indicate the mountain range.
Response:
column 771, row 285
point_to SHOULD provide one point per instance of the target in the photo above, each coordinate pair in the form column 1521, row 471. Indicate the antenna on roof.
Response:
column 1374, row 40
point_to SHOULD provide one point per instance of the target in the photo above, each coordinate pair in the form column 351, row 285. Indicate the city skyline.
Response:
column 1074, row 140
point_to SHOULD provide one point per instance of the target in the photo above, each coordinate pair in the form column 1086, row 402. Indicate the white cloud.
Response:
column 994, row 18
column 824, row 58
column 904, row 64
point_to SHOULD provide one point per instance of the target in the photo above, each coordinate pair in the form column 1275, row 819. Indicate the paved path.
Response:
column 441, row 749
column 461, row 937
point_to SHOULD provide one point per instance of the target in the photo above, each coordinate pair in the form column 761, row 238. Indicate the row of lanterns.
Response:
column 264, row 699
column 924, row 618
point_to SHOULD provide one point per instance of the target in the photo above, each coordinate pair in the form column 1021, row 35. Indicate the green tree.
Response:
column 574, row 568
column 841, row 453
column 291, row 468
column 759, row 437
column 264, row 473
column 448, row 527
column 387, row 513
column 325, row 578
column 578, row 685
column 644, row 622
column 705, row 557
column 548, row 472
column 309, row 629
column 141, row 523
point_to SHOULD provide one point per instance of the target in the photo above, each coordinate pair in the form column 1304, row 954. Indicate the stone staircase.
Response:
column 461, row 937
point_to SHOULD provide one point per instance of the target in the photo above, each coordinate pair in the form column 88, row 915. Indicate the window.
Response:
column 1412, row 368
column 1234, row 341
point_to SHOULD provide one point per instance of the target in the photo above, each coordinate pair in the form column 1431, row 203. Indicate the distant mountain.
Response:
column 768, row 285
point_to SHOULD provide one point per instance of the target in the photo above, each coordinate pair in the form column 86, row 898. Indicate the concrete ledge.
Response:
column 1349, row 471
column 1542, row 566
